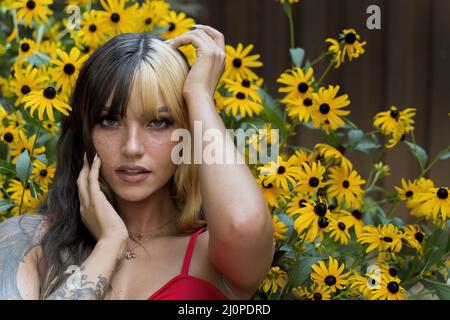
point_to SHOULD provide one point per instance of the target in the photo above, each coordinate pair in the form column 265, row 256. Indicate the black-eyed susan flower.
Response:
column 274, row 196
column 310, row 178
column 290, row 1
column 15, row 119
column 10, row 135
column 295, row 204
column 15, row 190
column 152, row 12
column 298, row 84
column 317, row 292
column 331, row 276
column 339, row 230
column 353, row 219
column 333, row 154
column 383, row 238
column 436, row 202
column 116, row 18
column 66, row 68
column 239, row 62
column 394, row 120
column 24, row 143
column 353, row 47
column 92, row 33
column 26, row 80
column 310, row 216
column 243, row 86
column 363, row 284
column 407, row 192
column 422, row 185
column 389, row 289
column 27, row 47
column 45, row 100
column 32, row 10
column 323, row 227
column 281, row 172
column 279, row 228
column 3, row 114
column 299, row 108
column 43, row 174
column 50, row 126
column 414, row 237
column 336, row 50
column 176, row 24
column 274, row 280
column 300, row 292
column 241, row 103
column 345, row 186
column 328, row 108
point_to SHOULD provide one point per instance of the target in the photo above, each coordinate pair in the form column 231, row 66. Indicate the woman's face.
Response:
column 135, row 140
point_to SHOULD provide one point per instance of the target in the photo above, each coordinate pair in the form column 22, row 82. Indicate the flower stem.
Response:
column 432, row 163
column 28, row 169
column 325, row 73
column 291, row 27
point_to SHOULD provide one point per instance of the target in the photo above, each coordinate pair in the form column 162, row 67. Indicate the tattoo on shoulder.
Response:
column 18, row 236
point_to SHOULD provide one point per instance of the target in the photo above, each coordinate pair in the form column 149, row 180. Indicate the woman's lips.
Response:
column 133, row 177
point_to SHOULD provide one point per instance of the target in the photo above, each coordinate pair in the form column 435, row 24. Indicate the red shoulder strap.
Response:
column 190, row 250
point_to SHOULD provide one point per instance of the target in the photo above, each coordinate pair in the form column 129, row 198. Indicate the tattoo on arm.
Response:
column 18, row 235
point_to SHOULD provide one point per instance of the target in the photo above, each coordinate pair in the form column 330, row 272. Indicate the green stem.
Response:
column 291, row 27
column 321, row 58
column 432, row 163
column 354, row 126
column 16, row 25
column 330, row 65
column 375, row 179
column 415, row 154
column 28, row 170
column 380, row 155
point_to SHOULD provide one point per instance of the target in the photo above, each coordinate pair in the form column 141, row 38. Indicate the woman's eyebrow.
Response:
column 160, row 109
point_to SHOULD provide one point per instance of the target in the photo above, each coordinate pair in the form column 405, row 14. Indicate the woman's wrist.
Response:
column 114, row 245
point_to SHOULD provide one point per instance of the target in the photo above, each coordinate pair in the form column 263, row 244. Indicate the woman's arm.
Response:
column 19, row 258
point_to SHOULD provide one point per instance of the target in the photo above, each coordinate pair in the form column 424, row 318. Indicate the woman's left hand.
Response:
column 209, row 66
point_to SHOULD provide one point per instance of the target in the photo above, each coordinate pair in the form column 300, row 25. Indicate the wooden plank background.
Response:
column 406, row 63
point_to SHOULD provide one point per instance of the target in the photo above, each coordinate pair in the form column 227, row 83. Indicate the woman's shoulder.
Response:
column 23, row 229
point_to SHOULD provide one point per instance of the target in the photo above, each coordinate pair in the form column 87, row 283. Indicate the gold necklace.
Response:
column 130, row 254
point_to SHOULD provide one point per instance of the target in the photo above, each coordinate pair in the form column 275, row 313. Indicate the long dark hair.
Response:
column 110, row 69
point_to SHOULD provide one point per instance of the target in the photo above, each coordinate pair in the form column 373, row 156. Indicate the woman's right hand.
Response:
column 97, row 213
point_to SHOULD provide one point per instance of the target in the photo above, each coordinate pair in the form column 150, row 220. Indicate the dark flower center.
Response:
column 419, row 236
column 330, row 280
column 409, row 194
column 341, row 226
column 332, row 207
column 172, row 26
column 43, row 173
column 341, row 149
column 240, row 95
column 301, row 203
column 394, row 114
column 357, row 214
column 246, row 83
column 307, row 102
column 92, row 28
column 324, row 108
column 387, row 239
column 303, row 87
column 115, row 17
column 393, row 272
column 320, row 209
column 350, row 38
column 31, row 5
column 69, row 69
column 25, row 47
column 50, row 93
column 317, row 296
column 267, row 186
column 8, row 137
column 442, row 193
column 323, row 222
column 25, row 89
column 313, row 182
column 393, row 287
column 281, row 170
column 345, row 184
column 148, row 21
column 237, row 62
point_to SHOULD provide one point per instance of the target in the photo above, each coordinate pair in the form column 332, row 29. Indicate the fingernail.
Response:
column 84, row 157
column 96, row 157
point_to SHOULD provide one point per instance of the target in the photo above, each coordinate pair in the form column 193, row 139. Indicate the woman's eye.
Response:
column 162, row 123
column 104, row 122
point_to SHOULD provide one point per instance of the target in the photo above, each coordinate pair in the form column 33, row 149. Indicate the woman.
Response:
column 123, row 225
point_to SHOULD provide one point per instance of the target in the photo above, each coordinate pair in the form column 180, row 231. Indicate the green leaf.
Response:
column 297, row 56
column 22, row 164
column 7, row 168
column 354, row 138
column 444, row 155
column 302, row 270
column 334, row 138
column 272, row 113
column 419, row 152
column 366, row 146
column 441, row 289
column 5, row 205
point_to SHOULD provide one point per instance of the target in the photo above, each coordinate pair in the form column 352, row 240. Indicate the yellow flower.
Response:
column 394, row 120
column 116, row 18
column 295, row 205
column 275, row 279
column 33, row 10
column 279, row 228
column 339, row 230
column 328, row 108
column 353, row 47
column 312, row 216
column 389, row 289
column 43, row 174
column 25, row 81
column 281, row 172
column 67, row 68
column 310, row 178
column 45, row 100
column 290, row 1
column 346, row 186
column 353, row 219
column 10, row 135
column 152, row 11
column 92, row 32
column 25, row 144
column 335, row 49
column 384, row 237
column 298, row 84
column 27, row 47
column 238, row 62
column 414, row 237
column 176, row 24
column 436, row 202
column 331, row 276
column 331, row 154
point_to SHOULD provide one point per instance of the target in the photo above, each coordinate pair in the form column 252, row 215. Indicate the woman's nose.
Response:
column 133, row 144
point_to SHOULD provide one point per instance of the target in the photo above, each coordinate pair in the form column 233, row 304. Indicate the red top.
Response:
column 185, row 286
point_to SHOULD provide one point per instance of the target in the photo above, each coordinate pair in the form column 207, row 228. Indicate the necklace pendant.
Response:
column 130, row 255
